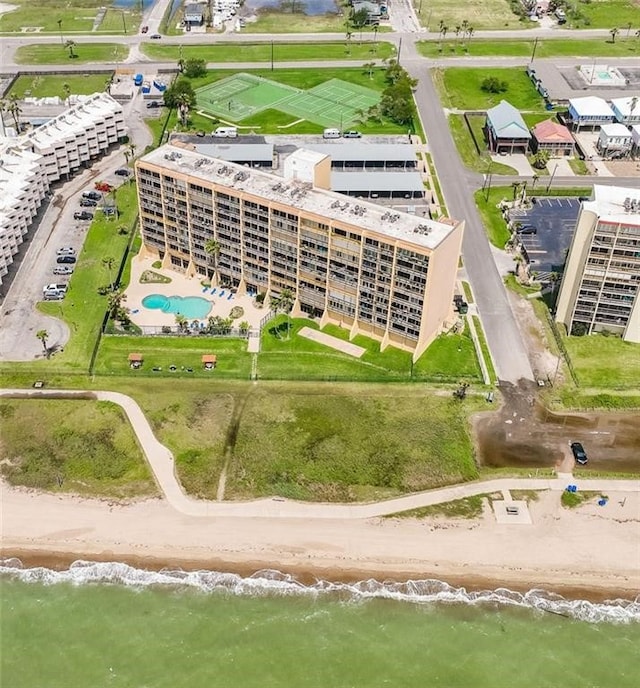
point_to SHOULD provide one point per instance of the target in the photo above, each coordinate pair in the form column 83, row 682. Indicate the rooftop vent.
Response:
column 422, row 229
column 240, row 176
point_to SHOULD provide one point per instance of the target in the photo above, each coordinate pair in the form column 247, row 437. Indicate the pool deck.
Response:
column 181, row 285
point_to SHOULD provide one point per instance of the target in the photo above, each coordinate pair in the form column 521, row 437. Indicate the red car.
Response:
column 103, row 186
column 144, row 29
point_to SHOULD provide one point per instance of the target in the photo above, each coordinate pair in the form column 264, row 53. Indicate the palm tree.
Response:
column 183, row 103
column 534, row 181
column 369, row 66
column 109, row 262
column 67, row 92
column 43, row 335
column 182, row 322
column 212, row 249
column 283, row 303
column 114, row 303
column 516, row 189
column 70, row 45
column 614, row 32
column 15, row 110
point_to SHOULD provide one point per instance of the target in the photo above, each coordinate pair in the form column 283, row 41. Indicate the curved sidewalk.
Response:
column 160, row 460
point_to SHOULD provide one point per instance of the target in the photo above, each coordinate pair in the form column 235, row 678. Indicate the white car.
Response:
column 66, row 251
column 56, row 287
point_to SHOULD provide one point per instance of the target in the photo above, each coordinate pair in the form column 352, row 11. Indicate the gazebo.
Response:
column 209, row 361
column 135, row 360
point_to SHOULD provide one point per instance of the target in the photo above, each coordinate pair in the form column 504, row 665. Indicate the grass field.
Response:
column 79, row 446
column 604, row 14
column 348, row 443
column 484, row 347
column 83, row 308
column 261, row 52
column 467, row 149
column 279, row 22
column 40, row 86
column 76, row 16
column 54, row 53
column 480, row 14
column 460, row 88
column 468, row 507
column 600, row 47
column 607, row 363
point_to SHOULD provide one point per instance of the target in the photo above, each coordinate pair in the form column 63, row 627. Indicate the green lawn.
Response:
column 607, row 363
column 83, row 308
column 77, row 16
column 54, row 53
column 467, row 149
column 348, row 443
column 182, row 352
column 261, row 52
column 604, row 14
column 280, row 22
column 484, row 347
column 574, row 47
column 460, row 88
column 78, row 446
column 43, row 85
column 468, row 507
column 480, row 14
column 448, row 359
column 120, row 20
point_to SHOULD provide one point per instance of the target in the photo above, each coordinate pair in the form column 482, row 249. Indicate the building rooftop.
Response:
column 611, row 203
column 615, row 129
column 377, row 181
column 233, row 152
column 324, row 204
column 17, row 166
column 507, row 121
column 591, row 106
column 623, row 105
column 355, row 151
column 552, row 132
column 76, row 118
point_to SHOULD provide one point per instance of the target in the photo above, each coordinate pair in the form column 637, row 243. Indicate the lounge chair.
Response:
column 229, row 297
column 222, row 293
column 205, row 289
column 214, row 290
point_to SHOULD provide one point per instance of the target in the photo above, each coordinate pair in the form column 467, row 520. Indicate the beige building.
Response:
column 601, row 281
column 378, row 272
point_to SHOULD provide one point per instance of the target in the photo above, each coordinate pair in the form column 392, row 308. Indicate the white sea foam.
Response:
column 270, row 582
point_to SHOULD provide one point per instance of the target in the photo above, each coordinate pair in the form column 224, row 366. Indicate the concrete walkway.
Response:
column 160, row 460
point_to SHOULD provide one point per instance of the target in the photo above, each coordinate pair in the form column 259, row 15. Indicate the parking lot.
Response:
column 554, row 220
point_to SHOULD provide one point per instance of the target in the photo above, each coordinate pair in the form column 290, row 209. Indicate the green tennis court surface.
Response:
column 332, row 103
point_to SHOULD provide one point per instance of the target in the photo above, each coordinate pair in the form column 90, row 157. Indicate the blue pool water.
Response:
column 189, row 306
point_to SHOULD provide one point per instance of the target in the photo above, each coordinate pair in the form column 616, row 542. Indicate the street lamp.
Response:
column 124, row 23
column 60, row 28
column 553, row 174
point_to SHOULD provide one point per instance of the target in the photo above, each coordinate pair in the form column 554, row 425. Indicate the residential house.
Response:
column 627, row 110
column 505, row 130
column 589, row 111
column 373, row 9
column 194, row 14
column 553, row 138
column 614, row 141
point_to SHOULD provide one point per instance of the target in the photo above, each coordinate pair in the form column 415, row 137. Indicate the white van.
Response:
column 331, row 134
column 225, row 132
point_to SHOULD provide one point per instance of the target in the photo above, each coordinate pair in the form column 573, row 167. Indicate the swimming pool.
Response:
column 190, row 306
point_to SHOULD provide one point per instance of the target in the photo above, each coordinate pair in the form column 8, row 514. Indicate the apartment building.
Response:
column 30, row 163
column 601, row 281
column 376, row 271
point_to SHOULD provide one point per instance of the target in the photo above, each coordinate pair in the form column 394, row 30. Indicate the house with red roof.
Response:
column 554, row 138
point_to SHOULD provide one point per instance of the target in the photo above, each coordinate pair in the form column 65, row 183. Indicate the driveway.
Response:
column 519, row 163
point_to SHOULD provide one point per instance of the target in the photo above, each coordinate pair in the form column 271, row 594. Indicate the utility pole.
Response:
column 124, row 23
column 399, row 49
column 271, row 55
column 533, row 53
column 60, row 28
column 552, row 176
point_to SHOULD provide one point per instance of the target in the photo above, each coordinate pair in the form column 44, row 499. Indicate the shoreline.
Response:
column 590, row 552
column 596, row 591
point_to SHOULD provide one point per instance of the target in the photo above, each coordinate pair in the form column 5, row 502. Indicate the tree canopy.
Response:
column 180, row 93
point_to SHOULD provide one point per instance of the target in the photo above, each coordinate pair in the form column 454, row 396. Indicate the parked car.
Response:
column 83, row 215
column 66, row 259
column 109, row 210
column 528, row 229
column 351, row 135
column 144, row 29
column 53, row 295
column 579, row 454
column 155, row 36
column 154, row 104
column 66, row 251
column 123, row 172
column 93, row 195
column 88, row 203
column 62, row 270
column 61, row 286
column 103, row 186
column 200, row 133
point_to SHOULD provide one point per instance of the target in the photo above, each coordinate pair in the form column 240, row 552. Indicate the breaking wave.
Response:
column 270, row 582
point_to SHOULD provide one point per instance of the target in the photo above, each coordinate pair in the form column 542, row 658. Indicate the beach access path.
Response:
column 161, row 462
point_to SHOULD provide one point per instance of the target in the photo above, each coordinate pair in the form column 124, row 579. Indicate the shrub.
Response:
column 157, row 264
column 151, row 277
column 494, row 85
column 236, row 312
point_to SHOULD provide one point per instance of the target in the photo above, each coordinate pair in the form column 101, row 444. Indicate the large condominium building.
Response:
column 31, row 162
column 379, row 272
column 601, row 283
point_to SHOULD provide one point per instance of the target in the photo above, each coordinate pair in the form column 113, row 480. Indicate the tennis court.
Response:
column 242, row 95
column 332, row 103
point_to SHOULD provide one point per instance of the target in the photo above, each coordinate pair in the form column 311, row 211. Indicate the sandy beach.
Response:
column 591, row 552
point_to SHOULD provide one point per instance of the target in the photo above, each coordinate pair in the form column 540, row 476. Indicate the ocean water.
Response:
column 113, row 625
